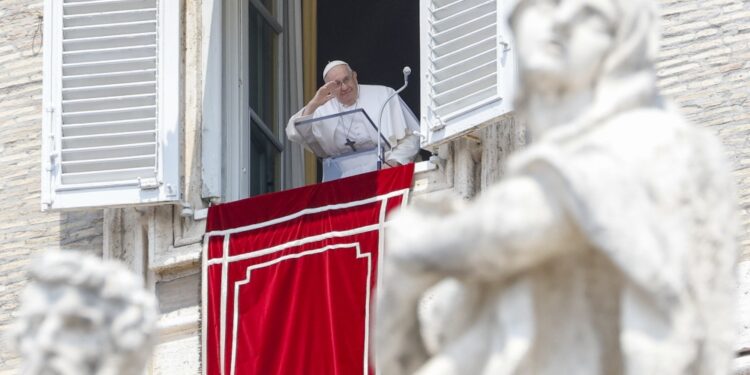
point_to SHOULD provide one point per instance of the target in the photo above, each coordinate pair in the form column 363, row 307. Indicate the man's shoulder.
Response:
column 375, row 90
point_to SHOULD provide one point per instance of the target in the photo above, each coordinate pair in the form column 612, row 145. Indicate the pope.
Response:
column 352, row 138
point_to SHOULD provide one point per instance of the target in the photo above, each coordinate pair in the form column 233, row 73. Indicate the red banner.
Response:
column 288, row 277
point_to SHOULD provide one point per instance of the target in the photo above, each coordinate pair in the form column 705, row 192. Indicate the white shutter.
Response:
column 111, row 103
column 468, row 66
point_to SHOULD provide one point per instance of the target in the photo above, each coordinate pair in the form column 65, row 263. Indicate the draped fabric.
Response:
column 289, row 277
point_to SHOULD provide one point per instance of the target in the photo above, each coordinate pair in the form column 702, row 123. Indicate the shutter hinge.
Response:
column 148, row 183
column 437, row 124
column 171, row 191
column 53, row 154
column 51, row 165
column 506, row 45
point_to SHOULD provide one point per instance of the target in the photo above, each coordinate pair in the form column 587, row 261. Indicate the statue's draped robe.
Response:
column 651, row 289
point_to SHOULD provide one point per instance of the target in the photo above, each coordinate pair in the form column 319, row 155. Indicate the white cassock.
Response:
column 329, row 139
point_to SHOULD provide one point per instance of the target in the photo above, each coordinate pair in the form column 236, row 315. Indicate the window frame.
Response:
column 226, row 105
column 252, row 117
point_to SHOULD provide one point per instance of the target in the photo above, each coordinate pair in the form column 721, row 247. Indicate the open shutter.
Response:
column 111, row 103
column 468, row 65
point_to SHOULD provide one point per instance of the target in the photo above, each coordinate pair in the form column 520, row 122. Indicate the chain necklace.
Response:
column 349, row 142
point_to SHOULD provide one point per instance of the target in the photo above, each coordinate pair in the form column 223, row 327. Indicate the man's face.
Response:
column 347, row 84
column 562, row 43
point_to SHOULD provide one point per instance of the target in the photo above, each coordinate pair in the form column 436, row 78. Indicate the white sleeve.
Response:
column 291, row 129
column 404, row 151
column 406, row 148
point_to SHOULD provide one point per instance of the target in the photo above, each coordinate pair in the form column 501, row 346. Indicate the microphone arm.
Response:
column 406, row 72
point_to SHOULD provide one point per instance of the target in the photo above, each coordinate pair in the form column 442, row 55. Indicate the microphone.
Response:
column 407, row 72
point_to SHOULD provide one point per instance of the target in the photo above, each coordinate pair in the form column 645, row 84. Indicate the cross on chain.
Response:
column 351, row 144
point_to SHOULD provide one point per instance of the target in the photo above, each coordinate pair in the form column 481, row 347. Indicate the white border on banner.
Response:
column 307, row 211
column 358, row 255
column 225, row 259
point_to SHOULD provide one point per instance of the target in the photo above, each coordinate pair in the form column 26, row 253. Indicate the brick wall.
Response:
column 24, row 230
column 704, row 67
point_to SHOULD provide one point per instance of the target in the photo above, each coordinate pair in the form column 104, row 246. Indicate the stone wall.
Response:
column 24, row 229
column 704, row 67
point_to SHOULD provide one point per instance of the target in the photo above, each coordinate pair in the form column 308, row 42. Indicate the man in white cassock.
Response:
column 348, row 144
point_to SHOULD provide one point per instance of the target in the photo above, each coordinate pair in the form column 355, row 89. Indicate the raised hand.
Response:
column 324, row 94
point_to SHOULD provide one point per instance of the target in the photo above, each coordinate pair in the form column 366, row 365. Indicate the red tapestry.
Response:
column 289, row 277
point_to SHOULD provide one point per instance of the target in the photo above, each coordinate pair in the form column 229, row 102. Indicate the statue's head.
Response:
column 80, row 315
column 567, row 46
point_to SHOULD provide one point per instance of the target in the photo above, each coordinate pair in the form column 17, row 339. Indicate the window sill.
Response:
column 177, row 257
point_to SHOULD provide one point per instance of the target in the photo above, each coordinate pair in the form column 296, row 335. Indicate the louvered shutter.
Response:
column 111, row 103
column 468, row 65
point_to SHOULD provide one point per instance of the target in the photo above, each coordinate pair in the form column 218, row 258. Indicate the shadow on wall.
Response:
column 82, row 230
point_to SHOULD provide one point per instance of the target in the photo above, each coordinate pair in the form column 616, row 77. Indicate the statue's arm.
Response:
column 515, row 225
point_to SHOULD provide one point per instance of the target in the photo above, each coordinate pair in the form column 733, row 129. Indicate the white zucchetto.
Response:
column 331, row 65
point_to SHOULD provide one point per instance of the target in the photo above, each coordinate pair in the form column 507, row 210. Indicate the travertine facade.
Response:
column 24, row 229
column 704, row 68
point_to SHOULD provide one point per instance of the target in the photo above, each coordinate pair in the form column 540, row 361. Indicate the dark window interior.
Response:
column 377, row 38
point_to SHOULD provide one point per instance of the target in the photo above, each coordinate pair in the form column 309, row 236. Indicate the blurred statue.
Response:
column 608, row 248
column 80, row 315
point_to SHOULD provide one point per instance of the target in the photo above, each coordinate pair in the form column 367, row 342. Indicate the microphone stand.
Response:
column 406, row 72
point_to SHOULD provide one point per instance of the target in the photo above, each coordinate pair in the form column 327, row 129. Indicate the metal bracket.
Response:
column 148, row 183
column 196, row 214
column 506, row 45
column 52, row 158
column 437, row 124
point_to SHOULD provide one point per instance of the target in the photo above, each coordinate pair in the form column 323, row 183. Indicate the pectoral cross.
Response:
column 351, row 144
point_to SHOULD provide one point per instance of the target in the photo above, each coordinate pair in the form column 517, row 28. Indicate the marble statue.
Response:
column 607, row 248
column 80, row 315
